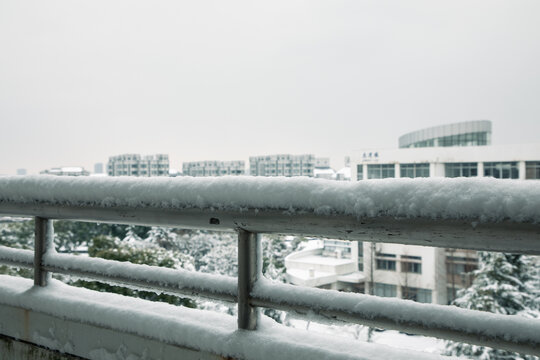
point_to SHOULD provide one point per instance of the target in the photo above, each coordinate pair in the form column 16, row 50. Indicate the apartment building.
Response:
column 214, row 168
column 282, row 165
column 137, row 165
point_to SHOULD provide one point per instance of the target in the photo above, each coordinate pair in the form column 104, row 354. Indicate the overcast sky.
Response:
column 224, row 80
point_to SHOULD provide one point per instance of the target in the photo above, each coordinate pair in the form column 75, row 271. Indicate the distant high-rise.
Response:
column 21, row 171
column 98, row 168
column 214, row 168
column 282, row 165
column 135, row 165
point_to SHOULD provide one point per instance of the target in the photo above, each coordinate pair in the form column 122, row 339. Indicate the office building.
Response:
column 98, row 168
column 423, row 274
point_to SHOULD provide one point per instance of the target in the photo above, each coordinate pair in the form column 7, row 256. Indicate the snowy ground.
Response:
column 391, row 338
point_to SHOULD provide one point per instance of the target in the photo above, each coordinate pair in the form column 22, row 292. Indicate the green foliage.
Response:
column 110, row 248
column 19, row 234
column 68, row 235
column 14, row 271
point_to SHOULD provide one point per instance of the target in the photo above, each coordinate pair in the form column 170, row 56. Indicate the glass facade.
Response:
column 532, row 170
column 468, row 139
column 381, row 171
column 502, row 170
column 414, row 170
column 460, row 169
column 359, row 172
column 385, row 290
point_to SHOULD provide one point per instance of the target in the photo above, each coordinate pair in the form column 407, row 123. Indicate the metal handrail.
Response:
column 251, row 291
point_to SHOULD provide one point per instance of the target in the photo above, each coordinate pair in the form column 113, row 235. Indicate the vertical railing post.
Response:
column 249, row 270
column 44, row 234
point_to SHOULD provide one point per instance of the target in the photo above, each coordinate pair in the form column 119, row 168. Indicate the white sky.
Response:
column 223, row 80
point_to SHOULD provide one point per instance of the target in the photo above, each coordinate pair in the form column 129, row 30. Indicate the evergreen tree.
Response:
column 162, row 236
column 504, row 284
column 110, row 248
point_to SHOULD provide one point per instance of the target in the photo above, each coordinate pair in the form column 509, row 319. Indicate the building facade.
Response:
column 136, row 165
column 427, row 274
column 214, row 168
column 501, row 161
column 282, row 165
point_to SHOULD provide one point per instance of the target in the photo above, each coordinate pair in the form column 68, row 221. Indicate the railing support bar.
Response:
column 249, row 270
column 43, row 240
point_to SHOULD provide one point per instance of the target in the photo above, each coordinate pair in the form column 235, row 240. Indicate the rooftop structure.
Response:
column 66, row 171
column 468, row 133
column 135, row 165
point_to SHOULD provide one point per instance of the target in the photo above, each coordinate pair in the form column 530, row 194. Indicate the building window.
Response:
column 385, row 290
column 532, row 170
column 360, row 172
column 381, row 171
column 416, row 294
column 501, row 170
column 389, row 265
column 414, row 170
column 411, row 267
column 469, row 139
column 337, row 248
column 460, row 169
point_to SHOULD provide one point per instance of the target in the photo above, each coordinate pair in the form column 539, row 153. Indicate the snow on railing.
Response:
column 484, row 214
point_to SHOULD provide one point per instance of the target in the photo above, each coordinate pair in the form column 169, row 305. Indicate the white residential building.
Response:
column 214, row 168
column 135, row 165
column 336, row 265
column 282, row 165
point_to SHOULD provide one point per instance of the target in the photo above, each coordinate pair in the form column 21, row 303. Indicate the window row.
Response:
column 498, row 170
column 409, row 293
column 412, row 264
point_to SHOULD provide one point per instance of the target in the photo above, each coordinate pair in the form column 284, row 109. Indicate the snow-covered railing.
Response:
column 483, row 214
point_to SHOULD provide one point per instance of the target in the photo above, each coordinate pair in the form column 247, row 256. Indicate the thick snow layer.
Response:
column 479, row 199
column 196, row 329
column 168, row 277
column 511, row 328
column 16, row 255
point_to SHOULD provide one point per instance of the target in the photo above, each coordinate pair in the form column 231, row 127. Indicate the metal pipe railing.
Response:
column 249, row 272
column 251, row 291
column 43, row 241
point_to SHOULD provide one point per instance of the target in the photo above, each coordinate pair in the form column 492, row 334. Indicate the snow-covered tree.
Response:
column 162, row 236
column 274, row 251
column 504, row 284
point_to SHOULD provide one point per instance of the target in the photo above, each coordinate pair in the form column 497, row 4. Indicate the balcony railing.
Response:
column 451, row 213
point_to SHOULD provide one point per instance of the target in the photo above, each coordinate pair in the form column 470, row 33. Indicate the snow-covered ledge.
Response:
column 489, row 214
column 100, row 326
